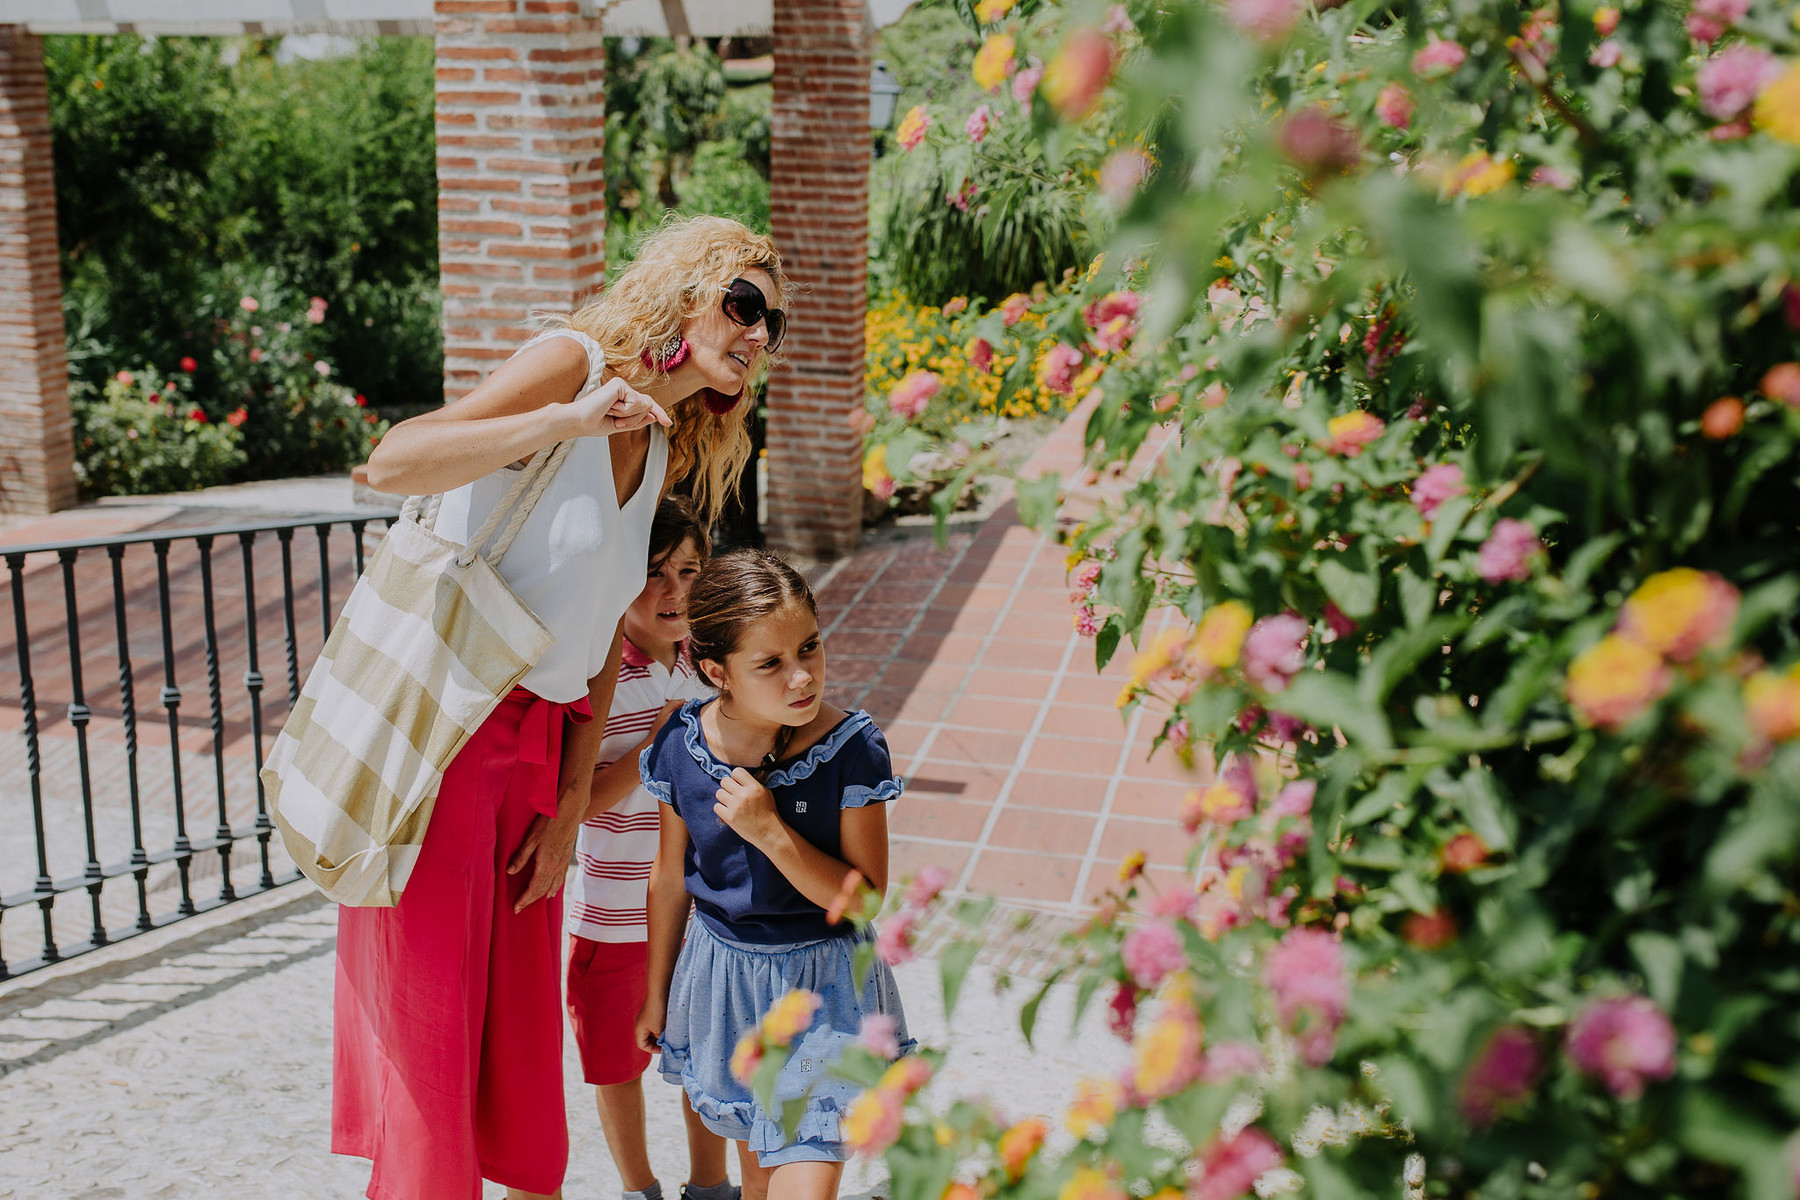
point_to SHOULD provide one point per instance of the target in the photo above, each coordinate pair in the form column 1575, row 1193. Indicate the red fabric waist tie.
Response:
column 537, row 733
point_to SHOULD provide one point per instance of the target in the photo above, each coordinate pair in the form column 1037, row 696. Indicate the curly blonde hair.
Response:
column 678, row 271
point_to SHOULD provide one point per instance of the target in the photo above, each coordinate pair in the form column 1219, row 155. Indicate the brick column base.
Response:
column 820, row 213
column 521, row 115
column 37, row 452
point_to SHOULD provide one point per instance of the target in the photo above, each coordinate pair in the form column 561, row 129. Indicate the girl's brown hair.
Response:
column 733, row 592
column 679, row 270
column 674, row 523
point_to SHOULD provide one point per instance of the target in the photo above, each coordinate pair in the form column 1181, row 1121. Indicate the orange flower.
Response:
column 1075, row 77
column 1782, row 382
column 1088, row 1184
column 1722, row 418
column 747, row 1057
column 1678, row 613
column 1432, row 932
column 1168, row 1055
column 1464, row 852
column 1614, row 681
column 1352, row 431
column 912, row 127
column 1772, row 704
column 1479, row 174
column 1777, row 110
column 873, row 1122
column 1018, row 1144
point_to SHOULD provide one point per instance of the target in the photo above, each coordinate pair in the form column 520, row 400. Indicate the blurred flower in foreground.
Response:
column 1624, row 1041
column 1318, row 142
column 1394, row 105
column 1057, row 370
column 1508, row 551
column 1435, row 485
column 1730, row 80
column 1722, row 418
column 1274, row 651
column 1353, row 430
column 1096, row 1103
column 1772, row 704
column 1614, row 681
column 1501, row 1076
column 1075, row 77
column 993, row 62
column 912, row 127
column 1437, row 58
column 1782, row 382
column 1123, row 173
column 1710, row 19
column 977, row 124
column 1305, row 973
column 913, row 393
column 1265, row 20
column 1680, row 612
column 1778, row 108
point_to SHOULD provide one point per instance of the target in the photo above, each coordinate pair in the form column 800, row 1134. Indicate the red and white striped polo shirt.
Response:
column 614, row 851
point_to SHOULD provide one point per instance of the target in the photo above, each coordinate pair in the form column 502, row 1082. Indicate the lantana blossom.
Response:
column 1625, row 1042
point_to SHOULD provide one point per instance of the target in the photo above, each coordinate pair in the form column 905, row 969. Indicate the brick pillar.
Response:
column 820, row 212
column 37, row 453
column 521, row 112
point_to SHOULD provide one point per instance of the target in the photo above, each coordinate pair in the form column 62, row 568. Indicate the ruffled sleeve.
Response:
column 654, row 764
column 868, row 776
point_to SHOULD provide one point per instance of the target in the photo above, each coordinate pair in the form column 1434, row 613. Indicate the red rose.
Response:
column 188, row 364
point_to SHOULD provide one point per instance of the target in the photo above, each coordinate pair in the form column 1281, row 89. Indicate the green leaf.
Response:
column 1479, row 800
column 1028, row 1013
column 953, row 964
column 1659, row 958
column 1328, row 699
column 1354, row 591
column 1036, row 499
column 1418, row 595
column 902, row 448
column 945, row 499
column 1445, row 523
column 1106, row 642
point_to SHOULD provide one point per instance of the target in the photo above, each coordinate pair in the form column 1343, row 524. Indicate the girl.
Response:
column 607, row 980
column 773, row 796
column 447, row 1063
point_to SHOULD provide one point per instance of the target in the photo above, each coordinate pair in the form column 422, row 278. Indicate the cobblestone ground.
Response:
column 200, row 1067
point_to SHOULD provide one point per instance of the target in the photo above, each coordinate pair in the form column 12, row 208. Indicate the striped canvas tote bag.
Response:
column 430, row 641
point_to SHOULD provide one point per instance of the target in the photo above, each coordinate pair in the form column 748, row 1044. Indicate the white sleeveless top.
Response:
column 580, row 559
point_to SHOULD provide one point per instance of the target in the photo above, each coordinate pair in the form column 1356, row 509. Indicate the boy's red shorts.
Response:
column 607, row 985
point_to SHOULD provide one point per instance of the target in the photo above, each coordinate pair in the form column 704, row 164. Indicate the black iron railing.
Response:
column 100, row 809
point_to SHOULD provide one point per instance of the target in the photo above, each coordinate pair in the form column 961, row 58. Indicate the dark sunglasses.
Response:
column 745, row 304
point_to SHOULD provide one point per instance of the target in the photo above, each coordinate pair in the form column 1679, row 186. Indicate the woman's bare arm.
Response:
column 529, row 402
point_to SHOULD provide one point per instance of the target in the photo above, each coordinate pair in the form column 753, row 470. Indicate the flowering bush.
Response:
column 262, row 403
column 1476, row 563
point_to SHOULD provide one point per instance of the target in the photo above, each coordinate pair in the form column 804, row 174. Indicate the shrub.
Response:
column 144, row 434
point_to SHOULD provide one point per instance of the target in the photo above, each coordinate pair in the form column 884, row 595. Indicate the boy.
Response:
column 607, row 964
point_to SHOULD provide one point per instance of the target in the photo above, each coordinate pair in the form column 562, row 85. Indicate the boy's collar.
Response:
column 635, row 657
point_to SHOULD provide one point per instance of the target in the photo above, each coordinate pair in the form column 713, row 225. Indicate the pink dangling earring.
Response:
column 669, row 355
column 717, row 402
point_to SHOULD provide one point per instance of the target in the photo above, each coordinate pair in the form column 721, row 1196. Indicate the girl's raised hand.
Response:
column 746, row 807
column 615, row 407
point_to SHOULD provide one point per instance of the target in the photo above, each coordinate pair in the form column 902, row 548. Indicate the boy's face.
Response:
column 659, row 614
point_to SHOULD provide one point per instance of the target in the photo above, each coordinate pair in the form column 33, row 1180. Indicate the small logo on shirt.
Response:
column 799, row 806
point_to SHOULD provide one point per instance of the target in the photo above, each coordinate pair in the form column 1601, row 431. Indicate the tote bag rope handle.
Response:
column 521, row 496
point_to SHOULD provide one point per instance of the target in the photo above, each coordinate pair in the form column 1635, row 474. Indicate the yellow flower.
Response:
column 1132, row 867
column 875, row 472
column 912, row 127
column 1479, row 174
column 1160, row 654
column 1219, row 639
column 942, row 1134
column 1615, row 680
column 1168, row 1055
column 1777, row 111
column 989, row 11
column 790, row 1016
column 1772, row 704
column 993, row 62
column 1680, row 612
column 1095, row 1105
column 1018, row 1144
column 1088, row 1184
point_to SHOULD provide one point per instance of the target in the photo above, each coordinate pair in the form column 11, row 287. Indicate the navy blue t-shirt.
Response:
column 736, row 889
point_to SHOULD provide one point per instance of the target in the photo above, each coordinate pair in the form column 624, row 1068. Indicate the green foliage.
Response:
column 180, row 170
column 144, row 434
column 1512, row 748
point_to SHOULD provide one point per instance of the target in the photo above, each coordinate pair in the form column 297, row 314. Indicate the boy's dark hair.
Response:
column 675, row 522
column 733, row 592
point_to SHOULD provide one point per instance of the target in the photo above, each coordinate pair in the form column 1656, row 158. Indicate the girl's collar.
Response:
column 785, row 773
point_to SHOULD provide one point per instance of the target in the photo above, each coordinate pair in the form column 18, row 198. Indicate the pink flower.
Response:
column 249, row 304
column 1624, row 1041
column 1730, row 79
column 1177, row 905
column 323, row 368
column 1087, row 575
column 1014, row 308
column 1305, row 973
column 126, row 378
column 1151, row 951
column 1230, row 1165
column 197, row 414
column 912, row 127
column 1337, row 620
column 1285, row 728
column 1264, row 20
column 1109, row 306
column 256, row 354
column 1232, row 1060
column 1501, row 1076
column 1117, row 20
column 879, row 1035
column 913, row 393
column 1057, row 370
column 1395, row 106
column 1606, row 20
column 1318, row 142
column 1438, row 57
column 1552, row 177
column 1606, row 54
column 1274, row 651
column 1295, row 800
column 1508, row 551
column 977, row 124
column 926, row 886
column 981, row 355
column 1121, row 1011
column 1710, row 19
column 1436, row 485
column 1087, row 623
column 1025, row 84
column 960, row 198
column 1352, row 431
column 316, row 314
column 894, row 944
column 1122, row 174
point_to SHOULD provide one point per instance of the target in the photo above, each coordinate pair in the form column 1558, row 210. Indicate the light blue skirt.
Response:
column 722, row 988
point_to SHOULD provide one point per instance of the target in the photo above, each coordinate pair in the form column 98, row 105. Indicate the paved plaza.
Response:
column 195, row 1061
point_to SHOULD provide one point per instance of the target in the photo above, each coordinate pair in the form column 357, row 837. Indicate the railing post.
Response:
column 222, row 833
column 253, row 683
column 171, row 702
column 34, row 770
column 79, row 715
column 140, row 861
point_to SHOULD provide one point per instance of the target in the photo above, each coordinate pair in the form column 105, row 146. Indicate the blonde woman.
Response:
column 448, row 1056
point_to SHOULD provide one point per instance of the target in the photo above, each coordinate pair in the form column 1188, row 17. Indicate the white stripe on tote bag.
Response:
column 428, row 644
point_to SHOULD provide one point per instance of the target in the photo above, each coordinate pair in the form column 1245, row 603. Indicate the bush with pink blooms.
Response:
column 1488, row 631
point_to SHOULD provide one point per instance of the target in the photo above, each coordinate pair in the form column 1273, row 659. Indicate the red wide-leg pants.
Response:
column 447, row 1064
